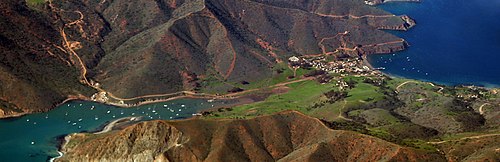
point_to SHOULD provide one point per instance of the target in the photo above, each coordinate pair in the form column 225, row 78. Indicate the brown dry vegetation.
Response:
column 286, row 136
column 135, row 48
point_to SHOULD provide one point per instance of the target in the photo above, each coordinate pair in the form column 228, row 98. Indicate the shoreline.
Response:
column 107, row 127
column 229, row 96
column 369, row 65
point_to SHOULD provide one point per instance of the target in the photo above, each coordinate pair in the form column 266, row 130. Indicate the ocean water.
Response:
column 454, row 42
column 34, row 137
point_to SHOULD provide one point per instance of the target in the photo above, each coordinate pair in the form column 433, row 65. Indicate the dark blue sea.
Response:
column 454, row 42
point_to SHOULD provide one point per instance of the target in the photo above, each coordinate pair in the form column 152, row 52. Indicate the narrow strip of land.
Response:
column 112, row 124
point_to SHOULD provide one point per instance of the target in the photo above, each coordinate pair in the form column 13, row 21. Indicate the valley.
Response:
column 226, row 80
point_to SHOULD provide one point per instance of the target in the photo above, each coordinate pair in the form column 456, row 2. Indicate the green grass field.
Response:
column 368, row 104
column 308, row 97
column 301, row 96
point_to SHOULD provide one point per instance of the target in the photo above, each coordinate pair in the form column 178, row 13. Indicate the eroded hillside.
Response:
column 56, row 49
column 285, row 136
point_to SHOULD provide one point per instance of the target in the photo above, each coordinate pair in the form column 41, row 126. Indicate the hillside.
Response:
column 36, row 71
column 56, row 49
column 284, row 136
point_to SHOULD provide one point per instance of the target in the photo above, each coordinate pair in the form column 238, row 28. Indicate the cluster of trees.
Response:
column 469, row 119
column 334, row 96
column 315, row 73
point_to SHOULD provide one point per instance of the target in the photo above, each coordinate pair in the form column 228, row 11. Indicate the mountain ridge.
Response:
column 283, row 136
column 197, row 44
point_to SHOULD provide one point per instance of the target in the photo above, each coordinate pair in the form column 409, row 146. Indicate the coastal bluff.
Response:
column 285, row 136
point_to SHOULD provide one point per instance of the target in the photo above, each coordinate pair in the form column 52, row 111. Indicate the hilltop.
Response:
column 283, row 136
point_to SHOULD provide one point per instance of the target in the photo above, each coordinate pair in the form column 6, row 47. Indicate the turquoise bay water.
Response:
column 17, row 134
column 454, row 42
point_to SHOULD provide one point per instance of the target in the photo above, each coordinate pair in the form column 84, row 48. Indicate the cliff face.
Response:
column 287, row 136
column 134, row 48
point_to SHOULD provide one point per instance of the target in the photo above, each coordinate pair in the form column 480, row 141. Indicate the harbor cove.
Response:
column 35, row 137
column 250, row 80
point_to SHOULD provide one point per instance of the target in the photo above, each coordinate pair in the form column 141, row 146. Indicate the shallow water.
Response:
column 17, row 134
column 454, row 42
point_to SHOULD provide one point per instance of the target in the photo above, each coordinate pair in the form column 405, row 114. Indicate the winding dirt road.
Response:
column 464, row 138
column 404, row 83
column 481, row 111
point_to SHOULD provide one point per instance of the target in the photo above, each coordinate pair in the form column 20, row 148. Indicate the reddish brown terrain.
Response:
column 286, row 136
column 58, row 49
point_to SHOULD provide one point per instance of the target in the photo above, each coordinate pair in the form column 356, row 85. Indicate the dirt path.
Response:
column 67, row 43
column 481, row 111
column 464, row 138
column 355, row 17
column 181, row 94
column 341, row 111
column 404, row 83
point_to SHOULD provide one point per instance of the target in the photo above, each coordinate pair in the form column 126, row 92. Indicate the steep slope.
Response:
column 286, row 136
column 36, row 69
column 475, row 148
column 230, row 40
column 136, row 48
